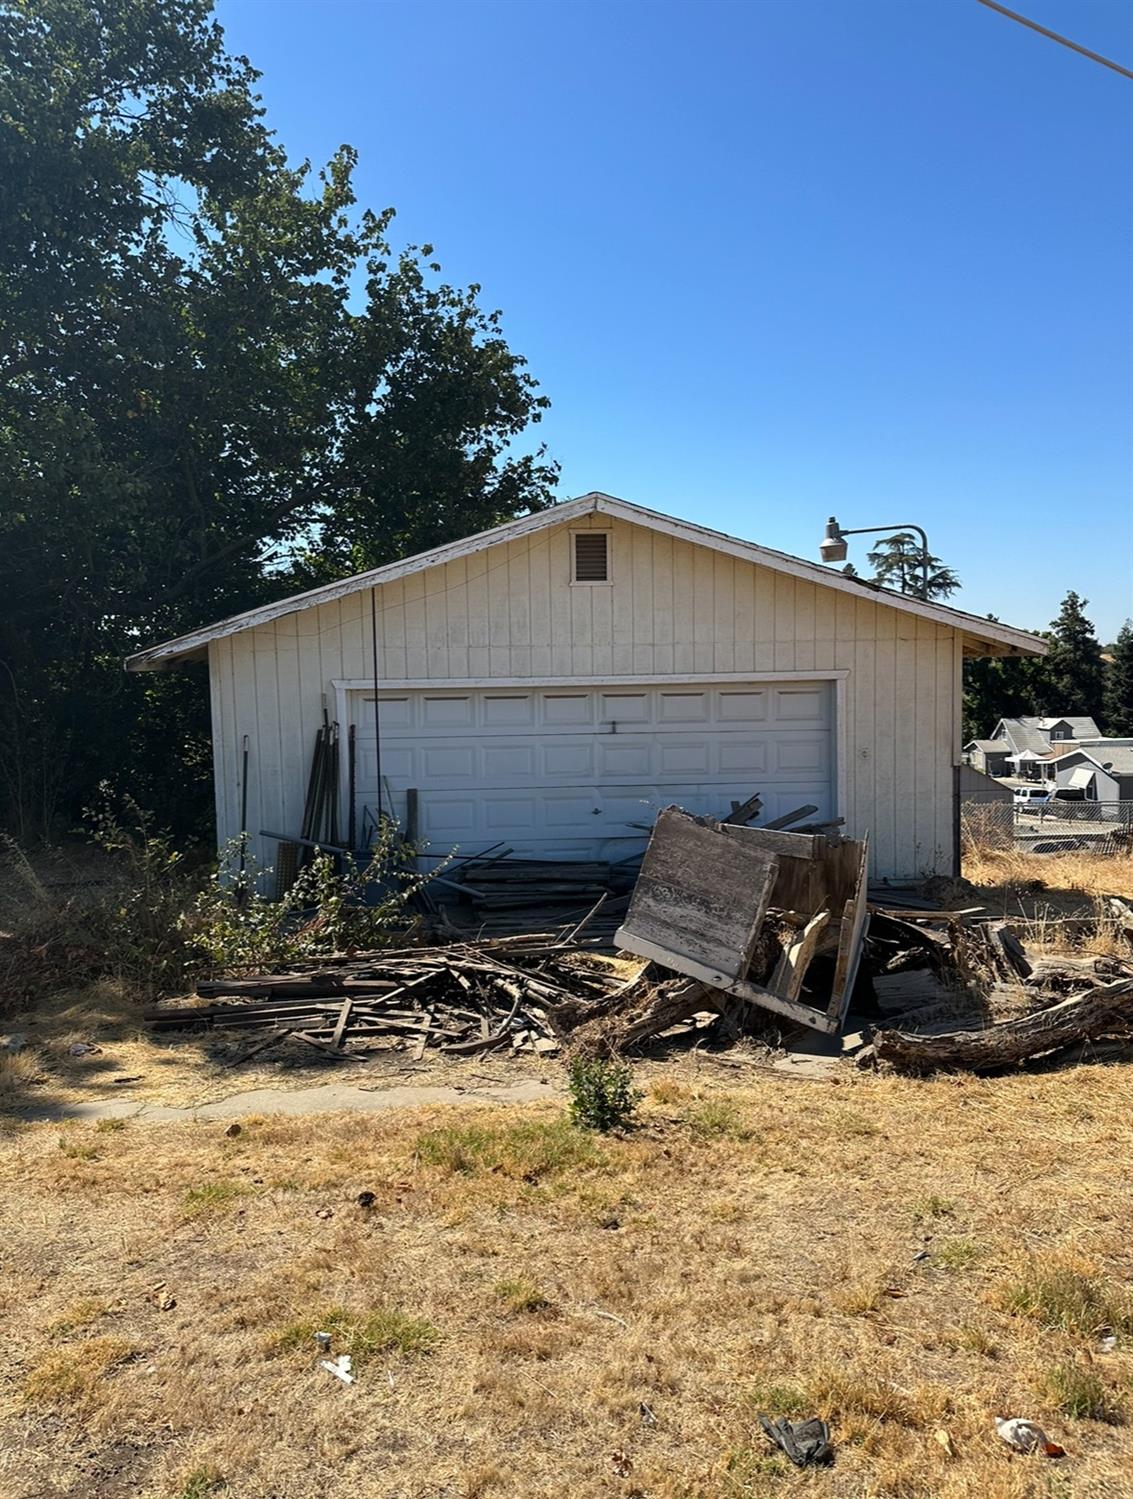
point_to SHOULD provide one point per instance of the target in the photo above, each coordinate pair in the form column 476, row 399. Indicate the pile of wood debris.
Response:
column 1013, row 1006
column 461, row 999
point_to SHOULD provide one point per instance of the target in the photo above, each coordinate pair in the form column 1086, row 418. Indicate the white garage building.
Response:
column 553, row 682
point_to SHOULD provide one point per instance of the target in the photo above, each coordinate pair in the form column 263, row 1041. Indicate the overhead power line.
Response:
column 1064, row 41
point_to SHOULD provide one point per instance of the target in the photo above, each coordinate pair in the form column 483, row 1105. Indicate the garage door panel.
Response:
column 569, row 757
column 509, row 761
column 684, row 757
column 576, row 772
column 576, row 708
column 743, row 755
column 792, row 755
column 448, row 763
column 445, row 713
column 624, row 707
column 625, row 757
column 683, row 707
column 742, row 707
column 514, row 711
column 794, row 705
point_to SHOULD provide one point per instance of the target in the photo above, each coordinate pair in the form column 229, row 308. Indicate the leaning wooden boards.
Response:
column 701, row 897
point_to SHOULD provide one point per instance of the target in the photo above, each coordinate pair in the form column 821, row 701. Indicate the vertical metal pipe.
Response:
column 377, row 711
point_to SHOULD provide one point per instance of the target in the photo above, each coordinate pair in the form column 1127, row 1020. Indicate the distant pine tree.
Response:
column 1119, row 685
column 1074, row 672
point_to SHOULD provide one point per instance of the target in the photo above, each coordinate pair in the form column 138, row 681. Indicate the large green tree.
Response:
column 998, row 687
column 218, row 379
column 1073, row 673
column 1118, row 702
column 898, row 562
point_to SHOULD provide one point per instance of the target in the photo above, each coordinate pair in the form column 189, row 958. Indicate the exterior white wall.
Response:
column 673, row 610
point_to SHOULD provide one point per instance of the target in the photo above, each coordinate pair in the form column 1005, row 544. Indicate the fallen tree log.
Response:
column 1082, row 1017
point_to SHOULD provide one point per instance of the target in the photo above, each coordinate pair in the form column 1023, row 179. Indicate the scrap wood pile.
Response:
column 1063, row 1001
column 504, row 892
column 501, row 894
column 514, row 994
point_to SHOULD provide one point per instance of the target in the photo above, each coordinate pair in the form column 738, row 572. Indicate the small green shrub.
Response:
column 932, row 1206
column 110, row 1126
column 363, row 1335
column 1081, row 1393
column 522, row 1295
column 211, row 1197
column 719, row 1119
column 602, row 1095
column 200, row 1483
column 528, row 1151
column 1067, row 1299
column 957, row 1254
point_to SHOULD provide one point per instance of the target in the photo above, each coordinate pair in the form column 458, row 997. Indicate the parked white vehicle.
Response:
column 1035, row 798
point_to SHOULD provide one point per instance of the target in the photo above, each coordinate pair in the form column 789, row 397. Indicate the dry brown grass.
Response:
column 1012, row 874
column 534, row 1314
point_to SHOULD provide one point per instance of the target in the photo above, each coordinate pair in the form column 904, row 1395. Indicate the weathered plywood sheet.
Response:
column 700, row 898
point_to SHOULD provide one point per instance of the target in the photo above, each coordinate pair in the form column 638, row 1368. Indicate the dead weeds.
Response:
column 533, row 1312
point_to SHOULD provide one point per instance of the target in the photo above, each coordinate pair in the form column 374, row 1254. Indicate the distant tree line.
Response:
column 1076, row 678
column 219, row 383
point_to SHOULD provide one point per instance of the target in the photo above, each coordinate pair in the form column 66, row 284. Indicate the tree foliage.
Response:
column 1119, row 685
column 1073, row 674
column 898, row 562
column 218, row 380
column 1073, row 679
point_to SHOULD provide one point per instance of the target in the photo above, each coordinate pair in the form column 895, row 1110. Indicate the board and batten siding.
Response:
column 673, row 609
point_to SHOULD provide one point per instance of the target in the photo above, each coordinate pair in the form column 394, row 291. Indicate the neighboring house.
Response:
column 1031, row 741
column 1102, row 772
column 989, row 756
column 977, row 785
column 553, row 682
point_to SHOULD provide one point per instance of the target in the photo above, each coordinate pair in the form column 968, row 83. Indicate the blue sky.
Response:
column 776, row 260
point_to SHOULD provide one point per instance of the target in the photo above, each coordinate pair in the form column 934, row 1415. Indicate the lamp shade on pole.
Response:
column 832, row 548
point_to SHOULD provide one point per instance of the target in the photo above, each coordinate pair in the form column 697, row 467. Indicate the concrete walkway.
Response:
column 328, row 1098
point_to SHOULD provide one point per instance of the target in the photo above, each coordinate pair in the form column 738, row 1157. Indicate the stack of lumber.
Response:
column 510, row 893
column 459, row 1000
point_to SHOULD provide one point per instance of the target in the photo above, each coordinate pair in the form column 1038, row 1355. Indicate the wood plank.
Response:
column 789, row 817
column 788, row 845
column 342, row 1021
column 787, row 980
column 701, row 896
column 855, row 923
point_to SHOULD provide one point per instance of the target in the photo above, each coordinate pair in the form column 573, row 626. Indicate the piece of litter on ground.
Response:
column 648, row 1414
column 339, row 1367
column 945, row 1439
column 324, row 1213
column 81, row 1049
column 805, row 1443
column 1027, row 1436
column 1107, row 1342
column 322, row 1339
column 233, row 1130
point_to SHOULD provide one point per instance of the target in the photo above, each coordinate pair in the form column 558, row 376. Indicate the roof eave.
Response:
column 980, row 637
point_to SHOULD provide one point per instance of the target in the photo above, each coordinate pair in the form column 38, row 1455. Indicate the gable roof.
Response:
column 982, row 637
column 1117, row 762
column 989, row 746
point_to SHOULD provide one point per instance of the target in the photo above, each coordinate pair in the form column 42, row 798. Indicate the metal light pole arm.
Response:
column 908, row 526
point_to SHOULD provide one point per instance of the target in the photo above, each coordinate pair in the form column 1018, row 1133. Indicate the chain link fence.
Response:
column 1046, row 827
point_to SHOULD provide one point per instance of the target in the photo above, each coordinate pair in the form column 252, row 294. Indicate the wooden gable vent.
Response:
column 591, row 557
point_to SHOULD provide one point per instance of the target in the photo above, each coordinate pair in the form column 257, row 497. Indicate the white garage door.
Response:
column 578, row 772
